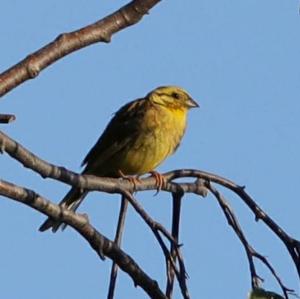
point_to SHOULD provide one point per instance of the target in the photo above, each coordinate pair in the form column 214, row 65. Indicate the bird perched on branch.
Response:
column 140, row 136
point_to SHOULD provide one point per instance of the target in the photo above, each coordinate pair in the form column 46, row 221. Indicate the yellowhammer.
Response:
column 141, row 135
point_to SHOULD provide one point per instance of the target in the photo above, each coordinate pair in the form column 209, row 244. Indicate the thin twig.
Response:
column 176, row 211
column 292, row 245
column 264, row 260
column 250, row 251
column 118, row 241
column 156, row 227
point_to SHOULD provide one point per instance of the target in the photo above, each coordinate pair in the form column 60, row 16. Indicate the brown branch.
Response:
column 156, row 227
column 66, row 43
column 292, row 245
column 264, row 260
column 232, row 221
column 102, row 245
column 7, row 118
column 250, row 251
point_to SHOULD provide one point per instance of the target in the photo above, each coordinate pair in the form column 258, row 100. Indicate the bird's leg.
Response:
column 131, row 179
column 160, row 181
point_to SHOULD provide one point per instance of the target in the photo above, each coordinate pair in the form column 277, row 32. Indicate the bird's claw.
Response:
column 160, row 181
column 133, row 180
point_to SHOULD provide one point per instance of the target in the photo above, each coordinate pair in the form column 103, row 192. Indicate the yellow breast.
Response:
column 160, row 135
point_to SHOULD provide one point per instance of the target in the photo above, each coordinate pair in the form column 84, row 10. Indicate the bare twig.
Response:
column 156, row 228
column 250, row 251
column 177, row 198
column 118, row 241
column 292, row 245
column 66, row 43
column 263, row 259
column 232, row 221
column 153, row 225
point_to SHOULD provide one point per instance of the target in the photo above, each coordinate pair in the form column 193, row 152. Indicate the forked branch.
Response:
column 200, row 186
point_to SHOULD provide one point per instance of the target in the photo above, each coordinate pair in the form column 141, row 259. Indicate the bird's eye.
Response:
column 175, row 95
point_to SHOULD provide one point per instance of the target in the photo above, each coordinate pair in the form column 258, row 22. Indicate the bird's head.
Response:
column 172, row 97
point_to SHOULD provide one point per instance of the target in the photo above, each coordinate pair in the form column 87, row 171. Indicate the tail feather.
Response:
column 71, row 201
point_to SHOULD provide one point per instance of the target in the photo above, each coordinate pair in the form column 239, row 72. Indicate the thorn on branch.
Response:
column 259, row 215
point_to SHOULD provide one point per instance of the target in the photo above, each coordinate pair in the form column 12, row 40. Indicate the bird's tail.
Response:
column 71, row 201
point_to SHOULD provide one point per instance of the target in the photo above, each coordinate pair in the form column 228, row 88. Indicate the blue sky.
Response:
column 238, row 59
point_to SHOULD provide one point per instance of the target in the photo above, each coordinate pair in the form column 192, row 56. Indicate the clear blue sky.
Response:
column 238, row 59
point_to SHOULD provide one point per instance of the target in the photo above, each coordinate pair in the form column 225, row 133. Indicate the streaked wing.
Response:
column 119, row 133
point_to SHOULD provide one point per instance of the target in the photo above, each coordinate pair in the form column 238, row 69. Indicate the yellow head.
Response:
column 172, row 97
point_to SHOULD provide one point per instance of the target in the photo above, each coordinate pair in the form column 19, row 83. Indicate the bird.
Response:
column 138, row 138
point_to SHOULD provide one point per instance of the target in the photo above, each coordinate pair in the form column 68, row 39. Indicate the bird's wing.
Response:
column 119, row 133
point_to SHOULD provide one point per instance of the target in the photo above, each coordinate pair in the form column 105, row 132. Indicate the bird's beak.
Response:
column 192, row 104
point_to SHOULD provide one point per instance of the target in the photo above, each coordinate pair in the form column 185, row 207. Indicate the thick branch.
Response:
column 102, row 245
column 66, row 43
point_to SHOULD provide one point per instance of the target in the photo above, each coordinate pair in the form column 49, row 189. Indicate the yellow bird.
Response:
column 140, row 136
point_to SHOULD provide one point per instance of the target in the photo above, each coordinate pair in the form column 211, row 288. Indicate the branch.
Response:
column 7, row 118
column 118, row 241
column 111, row 185
column 66, row 43
column 250, row 251
column 292, row 245
column 125, row 188
column 177, row 199
column 102, row 245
